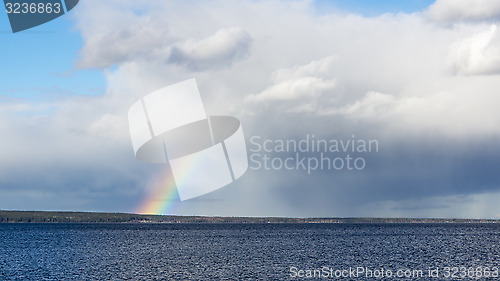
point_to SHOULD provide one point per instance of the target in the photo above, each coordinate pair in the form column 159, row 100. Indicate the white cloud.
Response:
column 372, row 105
column 464, row 10
column 220, row 49
column 478, row 54
column 305, row 81
column 457, row 113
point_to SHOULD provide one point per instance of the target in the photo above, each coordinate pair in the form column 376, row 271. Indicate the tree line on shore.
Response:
column 93, row 217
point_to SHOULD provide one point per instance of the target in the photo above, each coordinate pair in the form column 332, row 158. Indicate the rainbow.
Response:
column 162, row 197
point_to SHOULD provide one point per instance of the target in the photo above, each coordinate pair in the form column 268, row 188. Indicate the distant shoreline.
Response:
column 95, row 217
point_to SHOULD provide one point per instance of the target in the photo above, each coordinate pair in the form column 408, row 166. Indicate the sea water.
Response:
column 249, row 251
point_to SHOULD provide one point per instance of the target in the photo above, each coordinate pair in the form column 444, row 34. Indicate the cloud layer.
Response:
column 425, row 90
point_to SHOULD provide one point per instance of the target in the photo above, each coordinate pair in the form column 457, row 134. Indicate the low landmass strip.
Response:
column 92, row 217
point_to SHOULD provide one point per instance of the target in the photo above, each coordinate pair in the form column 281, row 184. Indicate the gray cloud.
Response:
column 125, row 36
column 464, row 10
column 218, row 50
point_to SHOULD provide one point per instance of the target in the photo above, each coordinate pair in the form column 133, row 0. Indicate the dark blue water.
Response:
column 247, row 251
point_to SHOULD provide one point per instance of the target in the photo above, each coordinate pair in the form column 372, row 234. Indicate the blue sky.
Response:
column 373, row 8
column 420, row 79
column 39, row 63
